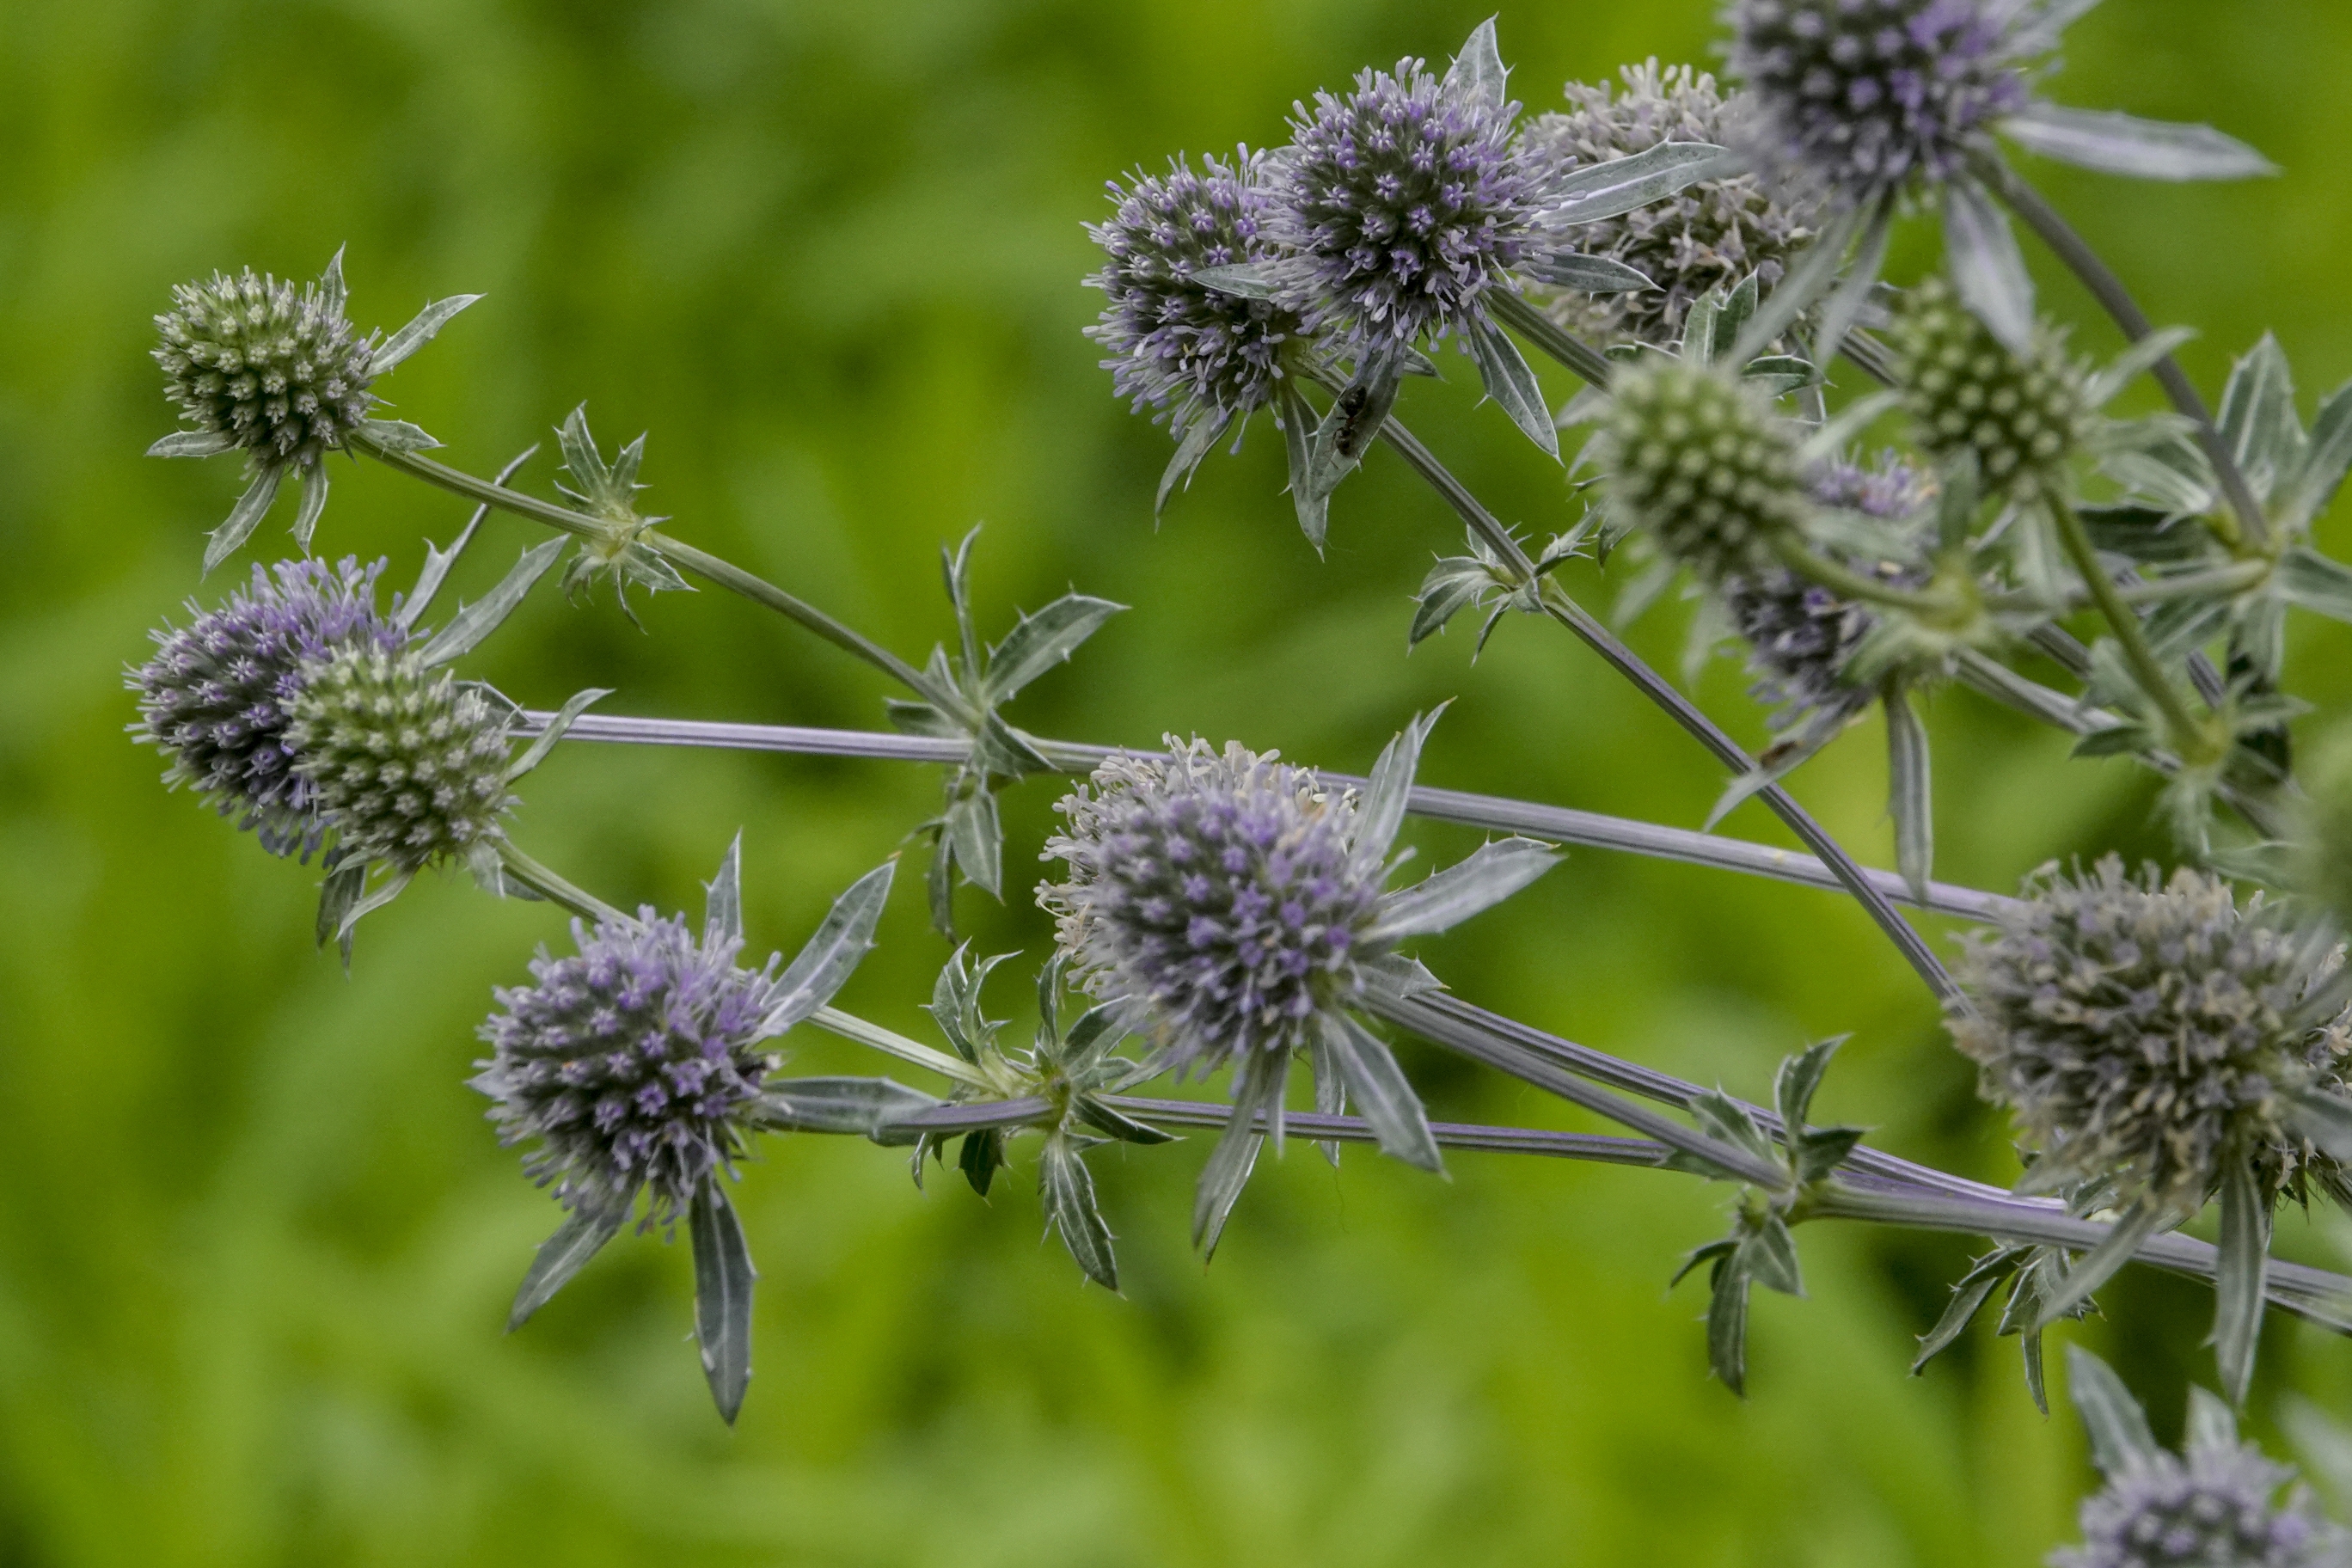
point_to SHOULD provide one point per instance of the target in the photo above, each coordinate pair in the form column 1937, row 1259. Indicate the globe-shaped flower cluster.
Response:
column 1401, row 203
column 1706, row 237
column 2145, row 1031
column 633, row 1064
column 1222, row 893
column 217, row 696
column 2211, row 1509
column 1173, row 342
column 271, row 367
column 2019, row 416
column 1703, row 462
column 406, row 764
column 1862, row 97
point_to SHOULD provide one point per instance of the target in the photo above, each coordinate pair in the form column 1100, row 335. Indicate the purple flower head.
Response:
column 1403, row 202
column 1174, row 343
column 1222, row 893
column 1863, row 96
column 217, row 696
column 2211, row 1509
column 634, row 1064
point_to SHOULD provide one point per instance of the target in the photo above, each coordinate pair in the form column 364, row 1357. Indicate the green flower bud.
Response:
column 266, row 366
column 1703, row 462
column 2021, row 416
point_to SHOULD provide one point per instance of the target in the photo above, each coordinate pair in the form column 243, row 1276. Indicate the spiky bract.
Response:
column 1174, row 343
column 1706, row 237
column 217, row 696
column 1703, row 462
column 270, row 367
column 2020, row 417
column 634, row 1064
column 407, row 765
column 2145, row 1031
column 1403, row 202
column 2212, row 1508
column 1857, row 97
column 1220, row 894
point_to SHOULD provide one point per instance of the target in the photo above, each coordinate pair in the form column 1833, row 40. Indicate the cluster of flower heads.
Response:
column 1222, row 892
column 1862, row 96
column 1706, row 237
column 219, row 695
column 265, row 365
column 633, row 1064
column 2146, row 1031
column 1175, row 344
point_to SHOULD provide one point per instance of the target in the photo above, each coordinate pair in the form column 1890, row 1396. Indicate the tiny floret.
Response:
column 1173, row 344
column 2146, row 1031
column 266, row 365
column 634, row 1065
column 1222, row 893
column 405, row 763
column 1860, row 98
column 2019, row 416
column 1703, row 462
column 1707, row 236
column 1403, row 203
column 2212, row 1508
column 218, row 697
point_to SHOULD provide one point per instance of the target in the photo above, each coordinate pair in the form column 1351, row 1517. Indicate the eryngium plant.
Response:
column 2018, row 416
column 1704, row 463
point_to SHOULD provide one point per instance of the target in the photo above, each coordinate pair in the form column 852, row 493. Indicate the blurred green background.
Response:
column 258, row 1242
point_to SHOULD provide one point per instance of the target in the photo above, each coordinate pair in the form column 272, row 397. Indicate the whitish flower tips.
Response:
column 2145, row 1032
column 1703, row 462
column 634, row 1064
column 2212, row 1508
column 407, row 765
column 1708, row 236
column 266, row 365
column 1403, row 202
column 1863, row 96
column 1220, row 894
column 1173, row 342
column 2021, row 416
column 217, row 698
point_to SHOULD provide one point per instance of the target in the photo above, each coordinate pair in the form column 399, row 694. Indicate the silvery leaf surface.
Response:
column 845, row 936
column 975, row 835
column 558, row 722
column 191, row 444
column 2258, row 418
column 1382, row 810
column 582, row 1235
column 2243, row 1266
column 1298, row 426
column 1511, row 382
column 418, row 332
column 2118, row 143
column 1909, row 794
column 1772, row 1256
column 1040, row 641
column 1065, row 1190
column 2315, row 582
column 1590, row 274
column 722, row 896
column 1115, row 1123
column 2120, row 1440
column 1727, row 1319
column 438, row 561
column 724, row 1277
column 1201, row 433
column 1968, row 1297
column 1381, row 1092
column 1490, row 874
column 1622, row 184
column 862, row 1106
column 1258, row 1089
column 1987, row 268
column 2326, row 455
column 1800, row 1075
column 473, row 622
column 397, row 435
column 2110, row 379
column 1478, row 71
column 245, row 516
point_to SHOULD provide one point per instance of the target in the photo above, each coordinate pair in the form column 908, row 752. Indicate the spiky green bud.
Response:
column 2019, row 416
column 406, row 764
column 1703, row 462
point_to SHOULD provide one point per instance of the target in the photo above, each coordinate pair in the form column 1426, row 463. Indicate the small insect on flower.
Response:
column 2018, row 415
column 1703, row 462
column 218, row 697
column 1238, row 904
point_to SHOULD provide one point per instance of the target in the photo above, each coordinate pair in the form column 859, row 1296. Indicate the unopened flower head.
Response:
column 1703, row 462
column 1857, row 97
column 269, row 366
column 405, row 763
column 2212, row 1508
column 217, row 696
column 1174, row 343
column 634, row 1064
column 1403, row 202
column 2144, row 1030
column 1799, row 634
column 1706, row 237
column 1221, row 893
column 2021, row 416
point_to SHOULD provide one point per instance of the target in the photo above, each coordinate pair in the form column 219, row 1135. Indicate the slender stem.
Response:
column 700, row 562
column 849, row 1026
column 1848, row 583
column 1559, row 824
column 2070, row 248
column 545, row 882
column 1558, row 604
column 1549, row 336
column 2231, row 579
column 2188, row 732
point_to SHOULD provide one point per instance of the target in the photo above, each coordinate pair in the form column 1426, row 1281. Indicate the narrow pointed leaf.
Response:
column 1772, row 1258
column 1987, row 268
column 1478, row 71
column 1845, row 303
column 1698, row 1254
column 1968, row 1297
column 245, row 516
column 557, row 723
column 2242, row 1266
column 336, row 292
column 360, row 908
column 1353, row 420
column 724, row 1277
column 1044, row 640
column 1491, row 873
column 1727, row 1322
column 473, row 622
column 1910, row 795
column 438, row 561
column 1809, row 276
column 2324, row 1118
column 722, row 896
column 1511, row 382
column 397, row 435
column 2141, row 356
column 581, row 1235
column 2120, row 1440
column 2098, row 1266
column 1230, row 1162
column 1115, row 1124
column 1298, row 426
column 1794, row 1085
column 337, row 894
column 863, row 1106
column 1382, row 810
column 418, row 332
column 846, row 935
column 2329, row 453
column 1199, row 436
column 2317, row 583
column 2211, row 1423
column 1618, row 186
column 191, row 444
column 1593, row 274
column 1066, row 1189
column 1383, row 1096
column 976, row 835
column 2116, row 143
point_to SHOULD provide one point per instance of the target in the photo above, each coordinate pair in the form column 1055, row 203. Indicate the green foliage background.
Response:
column 257, row 1241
